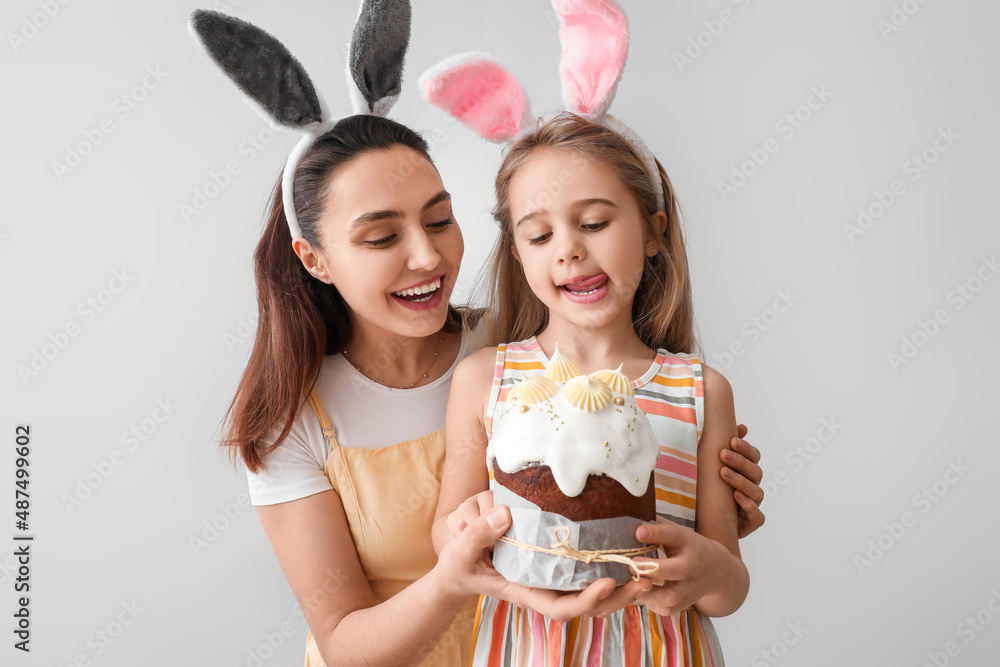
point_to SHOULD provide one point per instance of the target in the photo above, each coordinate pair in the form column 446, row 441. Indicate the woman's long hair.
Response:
column 300, row 318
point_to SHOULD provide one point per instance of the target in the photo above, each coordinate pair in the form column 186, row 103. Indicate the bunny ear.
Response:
column 378, row 48
column 274, row 82
column 594, row 36
column 480, row 93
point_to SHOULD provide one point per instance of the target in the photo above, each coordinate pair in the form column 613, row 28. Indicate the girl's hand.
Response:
column 744, row 475
column 470, row 510
column 466, row 568
column 694, row 567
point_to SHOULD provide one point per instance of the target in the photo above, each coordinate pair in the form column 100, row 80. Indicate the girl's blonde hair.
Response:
column 662, row 312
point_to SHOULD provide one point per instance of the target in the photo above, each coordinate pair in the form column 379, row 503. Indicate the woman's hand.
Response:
column 466, row 566
column 695, row 566
column 740, row 471
column 470, row 510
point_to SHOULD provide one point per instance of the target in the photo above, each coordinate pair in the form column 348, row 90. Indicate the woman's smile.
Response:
column 422, row 296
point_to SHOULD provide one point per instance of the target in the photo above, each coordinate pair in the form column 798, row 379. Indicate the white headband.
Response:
column 276, row 85
column 482, row 95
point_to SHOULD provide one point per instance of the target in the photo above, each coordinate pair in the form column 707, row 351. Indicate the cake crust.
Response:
column 602, row 497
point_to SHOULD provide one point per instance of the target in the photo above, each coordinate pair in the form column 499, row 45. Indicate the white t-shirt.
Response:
column 364, row 413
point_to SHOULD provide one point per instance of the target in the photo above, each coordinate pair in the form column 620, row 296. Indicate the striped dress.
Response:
column 672, row 395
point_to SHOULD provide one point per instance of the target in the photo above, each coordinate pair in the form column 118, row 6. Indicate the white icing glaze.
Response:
column 617, row 441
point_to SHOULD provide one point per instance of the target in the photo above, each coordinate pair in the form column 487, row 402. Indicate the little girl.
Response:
column 588, row 257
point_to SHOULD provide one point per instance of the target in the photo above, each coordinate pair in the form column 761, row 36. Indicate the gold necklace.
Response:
column 411, row 386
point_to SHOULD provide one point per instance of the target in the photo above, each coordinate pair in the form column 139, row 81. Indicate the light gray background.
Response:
column 164, row 336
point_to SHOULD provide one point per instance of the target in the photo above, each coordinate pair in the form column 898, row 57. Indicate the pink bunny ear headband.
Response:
column 482, row 95
column 276, row 85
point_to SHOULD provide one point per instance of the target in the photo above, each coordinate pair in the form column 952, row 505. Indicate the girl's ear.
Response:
column 657, row 228
column 273, row 81
column 378, row 48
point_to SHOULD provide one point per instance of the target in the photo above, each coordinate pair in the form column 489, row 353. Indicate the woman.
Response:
column 354, row 314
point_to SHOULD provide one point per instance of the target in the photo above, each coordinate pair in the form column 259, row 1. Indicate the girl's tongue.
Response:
column 587, row 284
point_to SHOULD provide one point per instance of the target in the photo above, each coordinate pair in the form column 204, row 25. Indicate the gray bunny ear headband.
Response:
column 276, row 85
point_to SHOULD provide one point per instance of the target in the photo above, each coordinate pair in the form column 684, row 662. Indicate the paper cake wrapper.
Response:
column 533, row 525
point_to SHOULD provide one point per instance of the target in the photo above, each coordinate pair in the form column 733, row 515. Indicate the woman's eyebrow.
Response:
column 386, row 214
column 436, row 199
column 373, row 216
column 580, row 203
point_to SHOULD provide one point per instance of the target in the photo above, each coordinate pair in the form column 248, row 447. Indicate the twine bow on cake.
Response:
column 561, row 547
